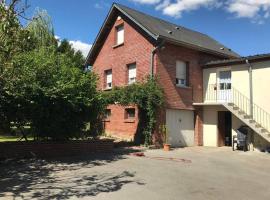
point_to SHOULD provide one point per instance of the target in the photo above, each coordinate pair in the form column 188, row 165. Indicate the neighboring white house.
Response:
column 236, row 92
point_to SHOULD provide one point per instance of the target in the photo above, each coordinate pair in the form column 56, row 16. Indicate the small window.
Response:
column 131, row 73
column 108, row 113
column 108, row 79
column 130, row 113
column 181, row 73
column 119, row 34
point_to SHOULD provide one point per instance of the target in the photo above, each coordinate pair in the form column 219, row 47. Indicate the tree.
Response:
column 76, row 56
column 60, row 98
column 41, row 28
column 40, row 85
column 13, row 40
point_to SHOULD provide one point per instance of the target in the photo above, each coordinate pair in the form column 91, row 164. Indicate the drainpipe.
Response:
column 250, row 87
column 154, row 51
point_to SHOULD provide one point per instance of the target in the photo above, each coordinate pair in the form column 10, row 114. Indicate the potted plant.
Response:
column 164, row 131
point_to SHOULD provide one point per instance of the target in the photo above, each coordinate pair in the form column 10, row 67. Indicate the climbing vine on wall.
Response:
column 147, row 95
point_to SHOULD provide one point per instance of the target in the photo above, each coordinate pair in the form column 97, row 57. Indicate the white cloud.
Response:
column 146, row 1
column 81, row 46
column 176, row 8
column 101, row 5
column 249, row 8
column 255, row 10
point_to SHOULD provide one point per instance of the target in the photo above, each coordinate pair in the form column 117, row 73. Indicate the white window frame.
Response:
column 181, row 74
column 120, row 34
column 108, row 79
column 132, row 73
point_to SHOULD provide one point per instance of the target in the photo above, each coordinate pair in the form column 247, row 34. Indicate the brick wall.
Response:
column 118, row 125
column 136, row 49
column 53, row 149
column 180, row 97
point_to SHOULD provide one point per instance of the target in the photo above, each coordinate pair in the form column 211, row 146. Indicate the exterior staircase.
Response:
column 239, row 105
column 248, row 120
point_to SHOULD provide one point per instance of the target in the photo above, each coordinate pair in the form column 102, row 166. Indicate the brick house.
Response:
column 131, row 45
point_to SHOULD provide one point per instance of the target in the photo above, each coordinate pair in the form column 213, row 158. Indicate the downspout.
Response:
column 250, row 87
column 153, row 52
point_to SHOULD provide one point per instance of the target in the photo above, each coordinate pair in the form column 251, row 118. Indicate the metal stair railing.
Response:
column 240, row 102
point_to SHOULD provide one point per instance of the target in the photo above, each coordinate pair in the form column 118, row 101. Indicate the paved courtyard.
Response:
column 189, row 173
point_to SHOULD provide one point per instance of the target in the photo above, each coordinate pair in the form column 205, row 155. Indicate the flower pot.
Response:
column 166, row 147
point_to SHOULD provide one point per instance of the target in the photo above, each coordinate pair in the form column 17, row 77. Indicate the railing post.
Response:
column 250, row 88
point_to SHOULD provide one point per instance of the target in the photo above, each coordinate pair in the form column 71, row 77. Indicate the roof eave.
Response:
column 235, row 62
column 115, row 6
column 197, row 47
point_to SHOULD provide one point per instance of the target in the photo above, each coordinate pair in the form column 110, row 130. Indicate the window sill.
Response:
column 183, row 87
column 106, row 120
column 129, row 120
column 117, row 45
column 107, row 89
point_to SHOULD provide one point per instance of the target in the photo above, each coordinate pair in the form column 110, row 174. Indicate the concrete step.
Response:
column 236, row 108
column 252, row 121
column 240, row 112
column 247, row 117
column 263, row 130
column 258, row 126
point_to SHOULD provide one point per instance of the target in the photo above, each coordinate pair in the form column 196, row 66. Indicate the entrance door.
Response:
column 224, row 128
column 224, row 86
column 180, row 126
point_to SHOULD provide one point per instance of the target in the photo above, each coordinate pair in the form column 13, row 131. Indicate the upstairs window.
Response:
column 108, row 79
column 181, row 73
column 119, row 34
column 131, row 73
column 130, row 113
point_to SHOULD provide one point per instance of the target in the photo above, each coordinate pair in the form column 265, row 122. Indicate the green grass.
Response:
column 9, row 138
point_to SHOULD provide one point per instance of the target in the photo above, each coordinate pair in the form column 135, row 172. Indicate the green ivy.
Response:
column 147, row 95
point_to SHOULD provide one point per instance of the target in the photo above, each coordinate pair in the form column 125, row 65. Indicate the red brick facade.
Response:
column 137, row 49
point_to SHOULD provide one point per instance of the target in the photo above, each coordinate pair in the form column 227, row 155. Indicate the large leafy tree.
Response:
column 76, row 56
column 61, row 99
column 40, row 85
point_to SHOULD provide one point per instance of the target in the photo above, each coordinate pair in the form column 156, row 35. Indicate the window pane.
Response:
column 131, row 73
column 181, row 69
column 108, row 78
column 108, row 113
column 130, row 112
column 120, row 35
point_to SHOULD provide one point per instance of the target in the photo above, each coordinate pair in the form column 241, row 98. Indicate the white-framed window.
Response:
column 108, row 79
column 181, row 73
column 120, row 34
column 132, row 73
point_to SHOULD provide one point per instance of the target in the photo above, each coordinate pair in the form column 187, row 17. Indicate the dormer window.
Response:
column 120, row 34
column 108, row 79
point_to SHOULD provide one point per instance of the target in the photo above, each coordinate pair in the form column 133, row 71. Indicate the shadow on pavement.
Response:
column 63, row 178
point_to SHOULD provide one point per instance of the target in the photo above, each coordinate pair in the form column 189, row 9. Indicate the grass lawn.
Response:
column 9, row 138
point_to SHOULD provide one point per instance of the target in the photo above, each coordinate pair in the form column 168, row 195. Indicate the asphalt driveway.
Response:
column 189, row 173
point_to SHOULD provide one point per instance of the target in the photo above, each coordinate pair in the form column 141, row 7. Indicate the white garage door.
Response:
column 180, row 125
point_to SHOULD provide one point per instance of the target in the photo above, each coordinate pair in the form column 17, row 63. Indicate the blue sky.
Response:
column 242, row 25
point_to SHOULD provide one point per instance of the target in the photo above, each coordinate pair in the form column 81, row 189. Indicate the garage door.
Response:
column 180, row 125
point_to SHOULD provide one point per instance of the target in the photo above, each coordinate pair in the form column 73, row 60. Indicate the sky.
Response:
column 242, row 25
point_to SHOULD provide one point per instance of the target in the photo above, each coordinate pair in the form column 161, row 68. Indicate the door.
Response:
column 224, row 128
column 180, row 126
column 224, row 86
